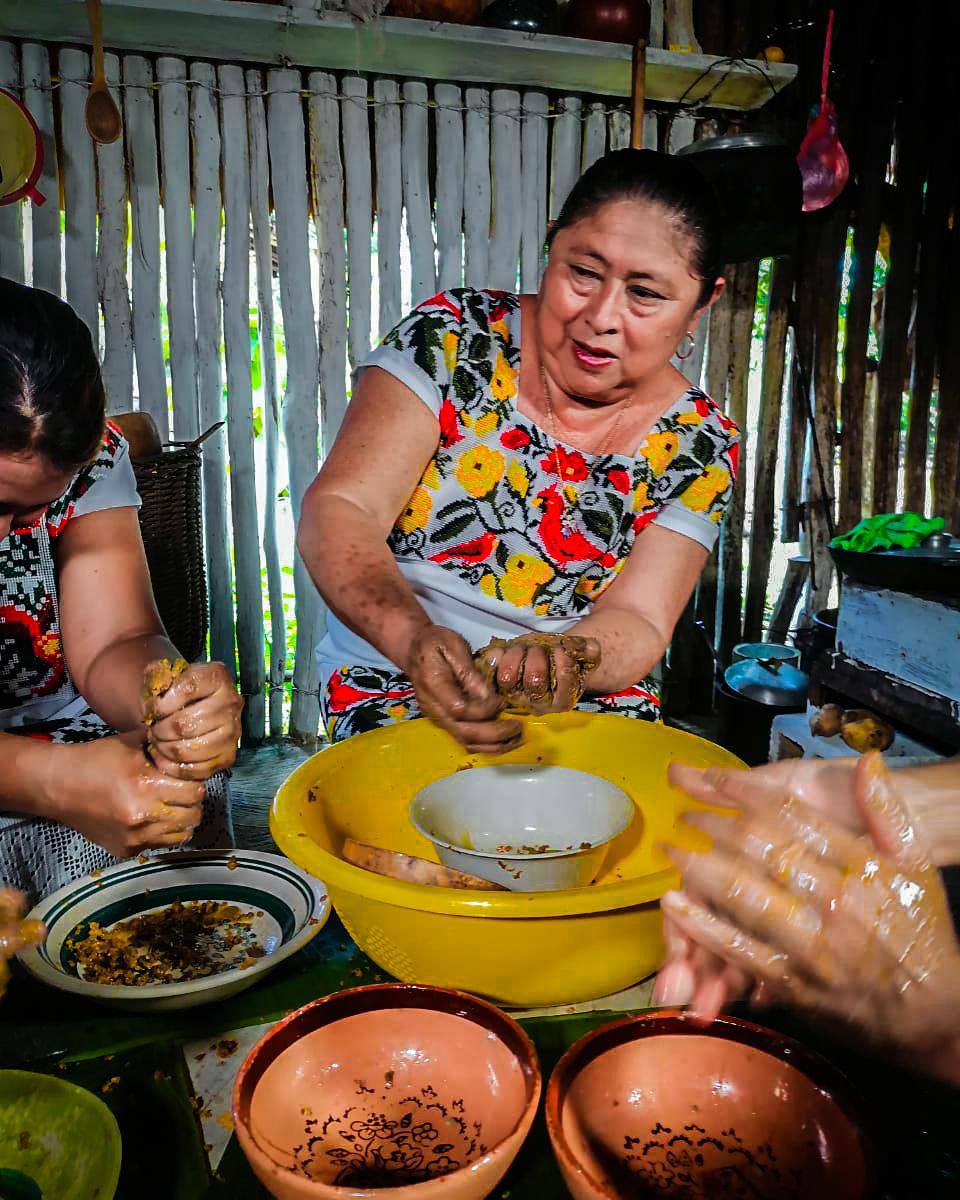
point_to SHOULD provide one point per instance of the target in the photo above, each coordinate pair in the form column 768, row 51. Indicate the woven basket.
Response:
column 171, row 521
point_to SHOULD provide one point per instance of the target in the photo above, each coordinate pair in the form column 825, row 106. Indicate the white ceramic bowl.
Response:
column 529, row 828
column 289, row 906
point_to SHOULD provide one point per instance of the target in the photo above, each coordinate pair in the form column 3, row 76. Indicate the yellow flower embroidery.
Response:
column 691, row 418
column 523, row 575
column 586, row 587
column 479, row 470
column 571, row 493
column 486, row 424
column 504, row 381
column 717, row 516
column 641, row 498
column 518, row 478
column 660, row 450
column 703, row 491
column 431, row 477
column 415, row 515
column 397, row 712
column 488, row 584
column 542, row 609
column 501, row 330
column 451, row 344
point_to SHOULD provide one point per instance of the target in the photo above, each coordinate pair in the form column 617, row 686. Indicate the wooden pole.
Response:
column 768, row 441
column 638, row 93
column 796, row 576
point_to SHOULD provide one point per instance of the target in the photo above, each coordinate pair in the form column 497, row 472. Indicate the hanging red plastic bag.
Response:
column 824, row 166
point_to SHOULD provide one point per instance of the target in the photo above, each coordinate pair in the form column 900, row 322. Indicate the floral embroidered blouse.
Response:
column 508, row 529
column 35, row 685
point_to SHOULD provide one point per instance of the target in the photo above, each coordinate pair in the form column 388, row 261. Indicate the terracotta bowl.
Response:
column 655, row 1106
column 417, row 1090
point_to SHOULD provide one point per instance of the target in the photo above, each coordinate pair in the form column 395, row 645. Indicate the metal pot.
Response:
column 769, row 681
column 758, row 185
column 754, row 650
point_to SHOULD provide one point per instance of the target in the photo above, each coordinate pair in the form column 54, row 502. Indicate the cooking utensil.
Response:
column 752, row 650
column 768, row 681
column 655, row 1105
column 21, row 152
column 101, row 113
column 287, row 909
column 59, row 1135
column 530, row 828
column 533, row 949
column 421, row 1092
column 525, row 16
column 934, row 569
column 821, row 158
column 759, row 189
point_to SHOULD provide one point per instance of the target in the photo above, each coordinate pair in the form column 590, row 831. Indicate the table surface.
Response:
column 139, row 1066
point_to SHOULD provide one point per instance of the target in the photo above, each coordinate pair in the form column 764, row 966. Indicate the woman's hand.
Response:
column 856, row 928
column 451, row 691
column 15, row 933
column 541, row 673
column 109, row 791
column 194, row 726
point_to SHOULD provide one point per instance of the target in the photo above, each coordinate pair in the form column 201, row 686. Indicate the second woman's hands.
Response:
column 109, row 791
column 856, row 928
column 193, row 727
column 451, row 691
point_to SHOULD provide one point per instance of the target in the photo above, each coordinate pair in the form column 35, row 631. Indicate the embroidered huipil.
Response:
column 509, row 530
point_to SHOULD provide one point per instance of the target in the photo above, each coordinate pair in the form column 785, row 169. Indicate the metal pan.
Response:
column 932, row 570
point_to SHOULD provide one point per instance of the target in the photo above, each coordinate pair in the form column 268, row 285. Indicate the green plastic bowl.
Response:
column 60, row 1135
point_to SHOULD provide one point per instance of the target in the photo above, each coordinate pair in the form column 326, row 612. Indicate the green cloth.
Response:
column 883, row 532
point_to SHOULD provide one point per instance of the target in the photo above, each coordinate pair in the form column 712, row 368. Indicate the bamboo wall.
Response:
column 270, row 184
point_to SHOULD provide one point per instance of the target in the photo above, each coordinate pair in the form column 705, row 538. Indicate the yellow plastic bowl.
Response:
column 515, row 948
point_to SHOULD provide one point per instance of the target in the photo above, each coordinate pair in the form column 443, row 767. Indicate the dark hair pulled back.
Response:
column 52, row 401
column 670, row 182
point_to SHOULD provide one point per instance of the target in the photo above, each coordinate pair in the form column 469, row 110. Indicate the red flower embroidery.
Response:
column 572, row 466
column 631, row 692
column 642, row 520
column 734, row 455
column 514, row 439
column 564, row 546
column 620, row 479
column 441, row 300
column 703, row 404
column 498, row 314
column 449, row 428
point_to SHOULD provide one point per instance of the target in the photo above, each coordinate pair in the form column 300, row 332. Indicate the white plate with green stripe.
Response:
column 281, row 909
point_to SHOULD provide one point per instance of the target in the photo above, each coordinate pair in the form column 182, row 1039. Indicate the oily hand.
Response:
column 539, row 672
column 15, row 933
column 692, row 975
column 857, row 928
column 454, row 693
column 109, row 791
column 193, row 724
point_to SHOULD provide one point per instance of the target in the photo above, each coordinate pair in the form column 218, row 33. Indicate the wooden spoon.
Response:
column 101, row 112
column 413, row 870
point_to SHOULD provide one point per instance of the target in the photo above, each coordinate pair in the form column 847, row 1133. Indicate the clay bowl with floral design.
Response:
column 417, row 1090
column 656, row 1106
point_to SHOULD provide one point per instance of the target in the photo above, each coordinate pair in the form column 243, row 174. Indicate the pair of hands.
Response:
column 818, row 892
column 467, row 701
column 118, row 797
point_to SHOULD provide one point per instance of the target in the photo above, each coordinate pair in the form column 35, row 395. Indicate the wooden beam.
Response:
column 768, row 442
column 295, row 36
column 731, row 535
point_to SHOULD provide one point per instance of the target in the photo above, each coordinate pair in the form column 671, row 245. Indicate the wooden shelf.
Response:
column 236, row 31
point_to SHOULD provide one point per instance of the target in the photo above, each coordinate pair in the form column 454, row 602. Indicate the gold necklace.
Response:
column 567, row 515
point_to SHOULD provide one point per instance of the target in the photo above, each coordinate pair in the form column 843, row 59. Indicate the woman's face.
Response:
column 617, row 297
column 28, row 484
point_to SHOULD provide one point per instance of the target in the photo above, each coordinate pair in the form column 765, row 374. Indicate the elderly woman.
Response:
column 526, row 468
column 78, row 628
column 821, row 891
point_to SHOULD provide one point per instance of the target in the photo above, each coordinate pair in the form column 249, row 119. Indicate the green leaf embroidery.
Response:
column 453, row 529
